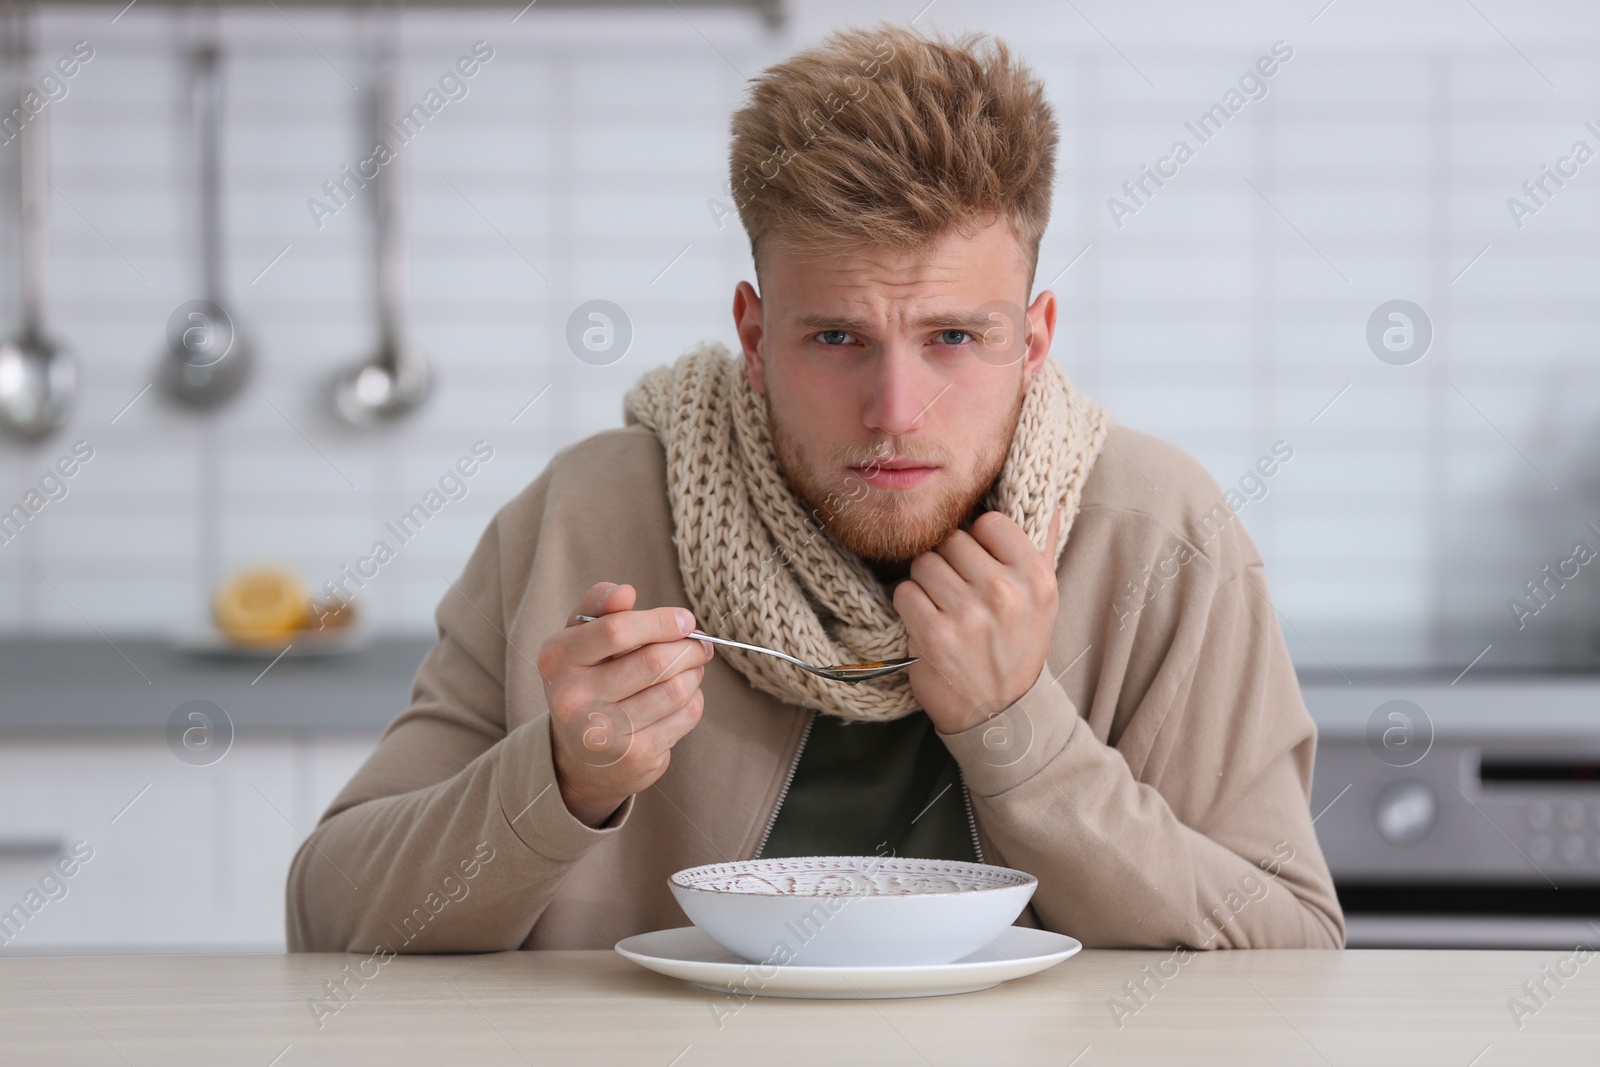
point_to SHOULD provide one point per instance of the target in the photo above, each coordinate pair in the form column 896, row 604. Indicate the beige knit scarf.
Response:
column 758, row 568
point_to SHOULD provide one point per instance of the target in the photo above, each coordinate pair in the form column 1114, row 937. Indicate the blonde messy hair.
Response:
column 887, row 137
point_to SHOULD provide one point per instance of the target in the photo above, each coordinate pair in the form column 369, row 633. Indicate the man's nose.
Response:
column 902, row 389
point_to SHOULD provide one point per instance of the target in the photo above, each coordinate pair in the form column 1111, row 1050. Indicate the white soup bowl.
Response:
column 852, row 911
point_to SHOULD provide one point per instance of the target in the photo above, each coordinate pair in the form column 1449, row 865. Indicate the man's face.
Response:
column 893, row 380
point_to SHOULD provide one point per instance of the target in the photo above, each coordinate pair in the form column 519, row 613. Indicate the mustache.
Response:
column 848, row 456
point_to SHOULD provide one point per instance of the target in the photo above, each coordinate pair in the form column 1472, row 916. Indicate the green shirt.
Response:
column 866, row 788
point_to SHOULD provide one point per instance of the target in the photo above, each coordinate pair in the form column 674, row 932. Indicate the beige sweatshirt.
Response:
column 1160, row 798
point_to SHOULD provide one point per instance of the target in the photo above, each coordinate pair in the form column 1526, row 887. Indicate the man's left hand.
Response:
column 979, row 611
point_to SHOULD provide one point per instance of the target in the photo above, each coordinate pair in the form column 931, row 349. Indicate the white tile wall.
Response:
column 580, row 165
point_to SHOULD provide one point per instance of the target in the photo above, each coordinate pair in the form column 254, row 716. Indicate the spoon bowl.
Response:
column 198, row 384
column 37, row 381
column 381, row 390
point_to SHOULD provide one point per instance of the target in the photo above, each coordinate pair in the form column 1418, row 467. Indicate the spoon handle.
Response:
column 699, row 636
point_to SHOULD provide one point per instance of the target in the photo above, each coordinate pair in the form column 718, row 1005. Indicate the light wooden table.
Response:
column 595, row 1008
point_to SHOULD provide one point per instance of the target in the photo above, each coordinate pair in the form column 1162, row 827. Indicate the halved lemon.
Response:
column 262, row 605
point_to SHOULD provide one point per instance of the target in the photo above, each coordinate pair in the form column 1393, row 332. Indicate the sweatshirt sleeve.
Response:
column 1211, row 844
column 452, row 837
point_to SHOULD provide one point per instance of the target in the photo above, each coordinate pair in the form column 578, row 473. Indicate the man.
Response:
column 1101, row 695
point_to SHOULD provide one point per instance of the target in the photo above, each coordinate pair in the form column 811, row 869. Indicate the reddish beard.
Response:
column 883, row 524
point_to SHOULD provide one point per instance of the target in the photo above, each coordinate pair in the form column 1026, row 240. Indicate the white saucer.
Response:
column 689, row 954
column 303, row 644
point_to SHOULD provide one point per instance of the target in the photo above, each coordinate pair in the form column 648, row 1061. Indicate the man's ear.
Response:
column 1041, row 331
column 747, row 321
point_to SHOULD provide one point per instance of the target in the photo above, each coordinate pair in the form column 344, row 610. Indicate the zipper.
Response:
column 794, row 765
column 972, row 821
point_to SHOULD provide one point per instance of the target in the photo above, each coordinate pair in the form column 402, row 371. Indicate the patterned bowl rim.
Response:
column 1002, row 877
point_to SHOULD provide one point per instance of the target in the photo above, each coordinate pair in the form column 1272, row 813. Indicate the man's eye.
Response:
column 954, row 337
column 833, row 337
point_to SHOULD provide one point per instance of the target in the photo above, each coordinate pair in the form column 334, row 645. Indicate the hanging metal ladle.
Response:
column 208, row 359
column 395, row 379
column 38, row 377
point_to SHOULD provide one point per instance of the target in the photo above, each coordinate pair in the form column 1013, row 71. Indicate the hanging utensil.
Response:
column 208, row 358
column 38, row 377
column 395, row 379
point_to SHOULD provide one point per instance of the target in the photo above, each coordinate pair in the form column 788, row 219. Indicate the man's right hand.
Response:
column 622, row 690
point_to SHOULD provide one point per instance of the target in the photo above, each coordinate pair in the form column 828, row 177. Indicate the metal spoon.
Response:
column 395, row 379
column 38, row 377
column 209, row 359
column 849, row 673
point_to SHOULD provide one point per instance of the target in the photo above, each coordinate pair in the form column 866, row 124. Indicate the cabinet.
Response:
column 184, row 858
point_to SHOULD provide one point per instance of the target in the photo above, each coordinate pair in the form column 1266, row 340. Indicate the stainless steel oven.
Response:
column 1463, row 814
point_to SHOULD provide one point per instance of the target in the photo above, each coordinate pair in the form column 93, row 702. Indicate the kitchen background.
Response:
column 586, row 160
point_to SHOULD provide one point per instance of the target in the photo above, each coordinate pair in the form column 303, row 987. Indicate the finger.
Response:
column 661, row 735
column 622, row 631
column 617, row 598
column 655, row 702
column 1004, row 539
column 1055, row 534
column 648, row 665
column 970, row 559
column 595, row 600
column 666, row 727
column 913, row 604
column 621, row 735
column 668, row 730
column 601, row 731
column 939, row 581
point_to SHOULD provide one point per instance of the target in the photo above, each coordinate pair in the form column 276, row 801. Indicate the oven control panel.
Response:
column 1463, row 811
